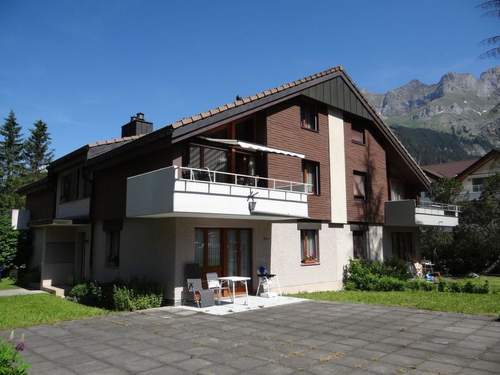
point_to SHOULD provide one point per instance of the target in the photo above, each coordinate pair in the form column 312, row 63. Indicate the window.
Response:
column 203, row 157
column 309, row 246
column 112, row 247
column 74, row 185
column 358, row 135
column 310, row 172
column 309, row 116
column 359, row 185
column 477, row 185
column 359, row 244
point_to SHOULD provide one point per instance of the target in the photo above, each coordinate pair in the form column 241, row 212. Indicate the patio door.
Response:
column 208, row 250
column 239, row 252
column 227, row 251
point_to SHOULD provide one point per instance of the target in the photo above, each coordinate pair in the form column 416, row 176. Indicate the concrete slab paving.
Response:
column 300, row 338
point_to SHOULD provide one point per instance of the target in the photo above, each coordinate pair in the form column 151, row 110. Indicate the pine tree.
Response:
column 11, row 149
column 37, row 152
column 11, row 164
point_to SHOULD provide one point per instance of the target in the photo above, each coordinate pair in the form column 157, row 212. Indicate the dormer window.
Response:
column 309, row 116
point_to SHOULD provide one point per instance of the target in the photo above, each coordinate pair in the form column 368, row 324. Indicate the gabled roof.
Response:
column 353, row 101
column 252, row 98
column 493, row 154
column 448, row 170
column 93, row 150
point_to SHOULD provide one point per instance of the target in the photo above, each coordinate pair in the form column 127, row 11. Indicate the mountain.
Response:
column 458, row 117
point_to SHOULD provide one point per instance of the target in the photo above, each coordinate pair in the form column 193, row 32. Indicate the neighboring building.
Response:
column 472, row 173
column 299, row 178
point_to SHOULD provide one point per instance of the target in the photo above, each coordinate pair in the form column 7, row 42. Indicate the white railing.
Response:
column 207, row 175
column 449, row 209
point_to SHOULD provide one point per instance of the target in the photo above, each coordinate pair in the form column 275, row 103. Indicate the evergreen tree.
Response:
column 37, row 150
column 11, row 149
column 11, row 164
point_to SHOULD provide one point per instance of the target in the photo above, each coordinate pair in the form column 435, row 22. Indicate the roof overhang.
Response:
column 478, row 164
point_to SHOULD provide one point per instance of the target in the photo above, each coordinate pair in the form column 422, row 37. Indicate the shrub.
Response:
column 137, row 296
column 420, row 285
column 87, row 293
column 375, row 275
column 26, row 276
column 8, row 243
column 388, row 283
column 11, row 362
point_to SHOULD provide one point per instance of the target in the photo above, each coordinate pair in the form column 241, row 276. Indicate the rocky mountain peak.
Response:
column 458, row 104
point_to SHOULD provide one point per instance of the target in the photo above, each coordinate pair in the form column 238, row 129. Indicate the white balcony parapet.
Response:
column 408, row 213
column 182, row 191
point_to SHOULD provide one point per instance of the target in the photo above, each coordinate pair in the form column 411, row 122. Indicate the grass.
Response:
column 23, row 311
column 7, row 283
column 437, row 301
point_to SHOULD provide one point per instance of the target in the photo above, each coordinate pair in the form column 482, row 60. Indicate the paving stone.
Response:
column 439, row 368
column 347, row 338
column 401, row 360
column 331, row 368
column 247, row 363
column 275, row 369
column 165, row 370
column 193, row 364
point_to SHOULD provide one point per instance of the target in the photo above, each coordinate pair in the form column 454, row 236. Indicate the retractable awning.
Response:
column 254, row 146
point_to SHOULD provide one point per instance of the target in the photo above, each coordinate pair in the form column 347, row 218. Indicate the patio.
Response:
column 304, row 338
column 226, row 307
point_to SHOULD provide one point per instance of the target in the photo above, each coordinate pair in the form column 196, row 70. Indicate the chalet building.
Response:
column 299, row 178
column 471, row 173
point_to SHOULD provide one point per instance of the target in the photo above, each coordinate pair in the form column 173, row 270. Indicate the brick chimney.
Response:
column 137, row 126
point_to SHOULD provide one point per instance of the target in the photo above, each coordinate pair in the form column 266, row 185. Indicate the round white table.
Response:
column 232, row 280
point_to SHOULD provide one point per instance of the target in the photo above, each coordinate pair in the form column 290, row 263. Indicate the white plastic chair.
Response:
column 215, row 284
column 266, row 282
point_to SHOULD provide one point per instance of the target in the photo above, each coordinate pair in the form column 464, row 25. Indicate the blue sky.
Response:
column 85, row 66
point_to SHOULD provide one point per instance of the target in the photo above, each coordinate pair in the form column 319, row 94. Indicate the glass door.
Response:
column 208, row 250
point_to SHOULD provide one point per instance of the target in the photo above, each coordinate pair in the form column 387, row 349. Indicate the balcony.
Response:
column 179, row 191
column 407, row 213
column 73, row 209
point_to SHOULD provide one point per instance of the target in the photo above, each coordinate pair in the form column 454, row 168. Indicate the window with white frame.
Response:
column 309, row 246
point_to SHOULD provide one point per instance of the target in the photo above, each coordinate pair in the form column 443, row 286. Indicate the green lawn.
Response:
column 7, row 283
column 438, row 301
column 22, row 311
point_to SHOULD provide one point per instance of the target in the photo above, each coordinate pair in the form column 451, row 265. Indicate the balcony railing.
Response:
column 448, row 209
column 207, row 175
column 408, row 212
column 183, row 191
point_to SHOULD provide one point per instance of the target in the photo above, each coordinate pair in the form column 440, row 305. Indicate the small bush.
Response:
column 119, row 295
column 388, row 283
column 11, row 362
column 137, row 296
column 27, row 276
column 375, row 275
column 87, row 293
